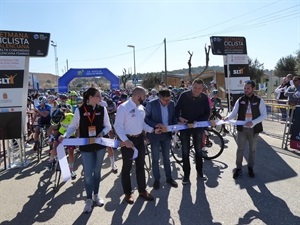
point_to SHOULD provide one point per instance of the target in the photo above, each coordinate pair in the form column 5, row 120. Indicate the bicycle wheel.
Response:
column 148, row 163
column 214, row 144
column 40, row 144
column 176, row 150
column 217, row 127
column 57, row 175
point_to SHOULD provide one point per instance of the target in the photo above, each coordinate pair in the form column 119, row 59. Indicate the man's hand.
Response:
column 129, row 144
column 249, row 124
column 182, row 120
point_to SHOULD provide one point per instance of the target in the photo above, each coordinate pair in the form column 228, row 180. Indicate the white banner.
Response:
column 12, row 63
column 11, row 97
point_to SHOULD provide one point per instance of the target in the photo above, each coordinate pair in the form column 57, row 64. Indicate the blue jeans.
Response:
column 185, row 137
column 92, row 163
column 161, row 142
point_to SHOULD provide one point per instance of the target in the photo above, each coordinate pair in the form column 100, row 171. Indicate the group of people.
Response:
column 133, row 122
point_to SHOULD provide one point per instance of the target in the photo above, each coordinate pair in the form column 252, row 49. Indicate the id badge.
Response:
column 92, row 131
column 248, row 116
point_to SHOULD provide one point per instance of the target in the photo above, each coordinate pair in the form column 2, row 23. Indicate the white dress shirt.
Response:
column 130, row 120
column 75, row 124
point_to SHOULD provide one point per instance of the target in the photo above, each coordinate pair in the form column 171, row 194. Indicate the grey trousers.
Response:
column 244, row 137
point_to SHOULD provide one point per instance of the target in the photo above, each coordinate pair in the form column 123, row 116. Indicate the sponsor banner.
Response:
column 295, row 130
column 239, row 70
column 235, row 83
column 228, row 45
column 11, row 79
column 11, row 124
column 11, row 97
column 12, row 63
column 16, row 109
column 22, row 43
column 236, row 59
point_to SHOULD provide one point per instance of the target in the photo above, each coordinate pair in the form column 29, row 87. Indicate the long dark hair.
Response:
column 89, row 92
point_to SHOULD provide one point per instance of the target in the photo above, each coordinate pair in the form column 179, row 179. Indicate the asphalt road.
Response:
column 272, row 197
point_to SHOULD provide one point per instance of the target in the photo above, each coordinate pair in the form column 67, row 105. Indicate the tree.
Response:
column 206, row 61
column 285, row 65
column 256, row 70
column 124, row 78
column 151, row 80
column 297, row 68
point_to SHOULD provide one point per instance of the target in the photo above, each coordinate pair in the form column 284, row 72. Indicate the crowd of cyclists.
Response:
column 56, row 111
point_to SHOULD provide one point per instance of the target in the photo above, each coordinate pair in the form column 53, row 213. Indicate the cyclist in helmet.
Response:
column 79, row 102
column 52, row 101
column 59, row 123
column 42, row 111
column 63, row 104
column 72, row 99
column 217, row 107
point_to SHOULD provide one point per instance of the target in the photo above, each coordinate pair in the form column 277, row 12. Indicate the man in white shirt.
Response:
column 130, row 126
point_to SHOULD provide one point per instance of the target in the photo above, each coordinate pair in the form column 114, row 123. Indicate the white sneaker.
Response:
column 97, row 200
column 28, row 145
column 88, row 206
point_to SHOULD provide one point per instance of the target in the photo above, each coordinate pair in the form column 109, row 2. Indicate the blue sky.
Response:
column 95, row 33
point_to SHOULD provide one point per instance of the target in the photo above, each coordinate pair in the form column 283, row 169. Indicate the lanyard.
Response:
column 87, row 113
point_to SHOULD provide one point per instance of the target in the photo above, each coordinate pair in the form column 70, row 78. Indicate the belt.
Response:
column 134, row 136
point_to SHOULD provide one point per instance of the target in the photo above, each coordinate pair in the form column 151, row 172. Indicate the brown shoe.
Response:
column 146, row 196
column 129, row 199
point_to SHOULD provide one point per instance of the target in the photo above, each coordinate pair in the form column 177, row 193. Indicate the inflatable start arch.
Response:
column 63, row 81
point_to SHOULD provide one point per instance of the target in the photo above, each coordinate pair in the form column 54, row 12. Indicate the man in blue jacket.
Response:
column 160, row 113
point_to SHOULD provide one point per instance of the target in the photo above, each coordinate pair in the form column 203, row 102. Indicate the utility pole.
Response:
column 54, row 44
column 165, row 79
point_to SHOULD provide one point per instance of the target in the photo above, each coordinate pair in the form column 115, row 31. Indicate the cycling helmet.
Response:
column 73, row 93
column 63, row 97
column 79, row 99
column 57, row 117
column 51, row 97
column 215, row 92
column 42, row 100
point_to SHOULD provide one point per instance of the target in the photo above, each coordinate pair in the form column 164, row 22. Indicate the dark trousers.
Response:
column 127, row 154
column 185, row 138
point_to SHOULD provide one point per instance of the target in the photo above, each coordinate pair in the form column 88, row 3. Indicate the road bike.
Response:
column 214, row 145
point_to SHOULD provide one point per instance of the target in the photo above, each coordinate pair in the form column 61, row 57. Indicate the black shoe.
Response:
column 250, row 172
column 73, row 175
column 185, row 180
column 201, row 176
column 237, row 173
column 156, row 184
column 172, row 182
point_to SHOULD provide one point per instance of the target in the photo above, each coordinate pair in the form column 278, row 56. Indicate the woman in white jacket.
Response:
column 279, row 91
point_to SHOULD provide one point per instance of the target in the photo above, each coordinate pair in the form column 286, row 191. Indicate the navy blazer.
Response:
column 154, row 117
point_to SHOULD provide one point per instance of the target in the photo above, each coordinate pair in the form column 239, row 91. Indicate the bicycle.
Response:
column 148, row 163
column 216, row 115
column 43, row 140
column 214, row 145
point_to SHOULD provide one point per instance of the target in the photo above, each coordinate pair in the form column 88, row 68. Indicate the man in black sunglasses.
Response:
column 251, row 109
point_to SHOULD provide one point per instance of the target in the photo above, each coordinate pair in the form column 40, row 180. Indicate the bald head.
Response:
column 138, row 91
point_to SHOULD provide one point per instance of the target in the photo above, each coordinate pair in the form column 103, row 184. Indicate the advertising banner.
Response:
column 295, row 130
column 22, row 43
column 12, row 63
column 8, row 97
column 228, row 45
column 11, row 120
column 11, row 79
column 241, row 70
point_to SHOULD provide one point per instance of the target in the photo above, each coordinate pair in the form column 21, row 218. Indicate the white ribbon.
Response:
column 177, row 127
column 62, row 158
